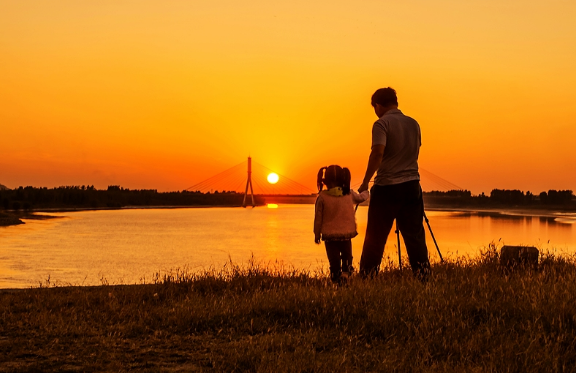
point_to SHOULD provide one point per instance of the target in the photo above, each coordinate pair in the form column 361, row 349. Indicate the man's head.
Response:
column 383, row 100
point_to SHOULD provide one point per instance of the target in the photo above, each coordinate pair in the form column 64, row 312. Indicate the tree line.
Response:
column 115, row 196
column 503, row 197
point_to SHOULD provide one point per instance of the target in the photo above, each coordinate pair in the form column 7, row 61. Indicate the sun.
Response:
column 273, row 178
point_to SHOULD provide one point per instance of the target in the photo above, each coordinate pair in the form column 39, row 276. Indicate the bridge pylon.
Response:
column 249, row 183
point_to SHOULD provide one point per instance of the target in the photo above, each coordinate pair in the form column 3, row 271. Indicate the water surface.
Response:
column 130, row 246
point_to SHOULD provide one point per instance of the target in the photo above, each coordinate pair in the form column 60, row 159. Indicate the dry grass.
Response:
column 470, row 317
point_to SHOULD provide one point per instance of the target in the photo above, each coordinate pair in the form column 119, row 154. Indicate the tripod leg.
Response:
column 399, row 253
column 433, row 238
column 430, row 228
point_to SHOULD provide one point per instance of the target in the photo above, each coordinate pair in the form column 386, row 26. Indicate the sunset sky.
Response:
column 164, row 94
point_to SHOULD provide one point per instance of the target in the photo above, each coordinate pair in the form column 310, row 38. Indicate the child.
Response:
column 335, row 220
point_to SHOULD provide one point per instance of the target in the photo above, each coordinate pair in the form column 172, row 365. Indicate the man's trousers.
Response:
column 403, row 203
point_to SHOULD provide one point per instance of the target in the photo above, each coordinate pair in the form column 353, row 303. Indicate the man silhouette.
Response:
column 396, row 194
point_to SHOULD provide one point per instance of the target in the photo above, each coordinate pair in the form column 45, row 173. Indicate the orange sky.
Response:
column 151, row 94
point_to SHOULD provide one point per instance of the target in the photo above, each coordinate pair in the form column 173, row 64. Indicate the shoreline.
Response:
column 511, row 212
column 10, row 218
column 169, row 207
column 7, row 220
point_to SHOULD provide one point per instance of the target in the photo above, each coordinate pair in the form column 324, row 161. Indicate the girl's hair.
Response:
column 335, row 175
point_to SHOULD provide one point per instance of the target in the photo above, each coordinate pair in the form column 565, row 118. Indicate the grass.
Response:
column 471, row 317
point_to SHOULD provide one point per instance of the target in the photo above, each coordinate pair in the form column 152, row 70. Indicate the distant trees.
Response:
column 517, row 197
column 450, row 198
column 507, row 197
column 114, row 196
column 554, row 197
column 502, row 197
column 451, row 193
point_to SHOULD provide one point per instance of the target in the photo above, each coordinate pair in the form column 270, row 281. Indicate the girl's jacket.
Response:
column 335, row 215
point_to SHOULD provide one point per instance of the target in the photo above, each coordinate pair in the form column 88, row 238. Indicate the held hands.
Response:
column 363, row 187
column 317, row 238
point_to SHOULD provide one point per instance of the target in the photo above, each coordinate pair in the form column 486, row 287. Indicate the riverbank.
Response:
column 7, row 219
column 471, row 316
column 14, row 218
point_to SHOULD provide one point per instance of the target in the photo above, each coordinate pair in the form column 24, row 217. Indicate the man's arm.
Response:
column 373, row 164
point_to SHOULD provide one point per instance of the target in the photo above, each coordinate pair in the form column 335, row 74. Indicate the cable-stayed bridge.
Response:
column 235, row 178
column 250, row 173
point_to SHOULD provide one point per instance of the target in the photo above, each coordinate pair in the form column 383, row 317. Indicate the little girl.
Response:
column 335, row 221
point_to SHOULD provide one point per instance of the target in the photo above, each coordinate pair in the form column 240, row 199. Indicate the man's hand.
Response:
column 363, row 187
column 317, row 238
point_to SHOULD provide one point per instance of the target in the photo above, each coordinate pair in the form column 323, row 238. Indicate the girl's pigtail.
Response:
column 319, row 179
column 346, row 181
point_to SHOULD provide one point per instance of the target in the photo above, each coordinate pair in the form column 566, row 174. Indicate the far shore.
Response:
column 9, row 218
column 72, row 209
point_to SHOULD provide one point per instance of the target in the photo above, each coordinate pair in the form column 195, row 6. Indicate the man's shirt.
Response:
column 400, row 136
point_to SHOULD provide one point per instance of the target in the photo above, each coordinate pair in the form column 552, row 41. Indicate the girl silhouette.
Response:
column 335, row 221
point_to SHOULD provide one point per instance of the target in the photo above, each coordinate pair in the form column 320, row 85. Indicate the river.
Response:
column 131, row 245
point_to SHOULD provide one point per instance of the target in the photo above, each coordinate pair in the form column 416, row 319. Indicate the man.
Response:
column 396, row 193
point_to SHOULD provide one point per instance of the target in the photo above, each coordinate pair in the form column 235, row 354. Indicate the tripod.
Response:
column 431, row 233
column 397, row 231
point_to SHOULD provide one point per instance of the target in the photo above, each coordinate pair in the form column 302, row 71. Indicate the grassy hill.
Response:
column 470, row 317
